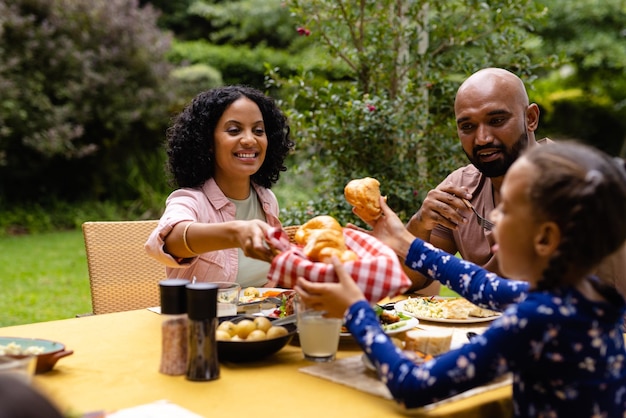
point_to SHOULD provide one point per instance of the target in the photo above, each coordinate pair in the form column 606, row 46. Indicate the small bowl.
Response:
column 247, row 351
column 52, row 351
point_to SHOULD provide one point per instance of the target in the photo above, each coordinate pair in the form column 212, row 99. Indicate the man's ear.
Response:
column 532, row 117
column 547, row 239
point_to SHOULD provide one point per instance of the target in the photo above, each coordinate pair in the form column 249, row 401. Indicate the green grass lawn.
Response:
column 44, row 277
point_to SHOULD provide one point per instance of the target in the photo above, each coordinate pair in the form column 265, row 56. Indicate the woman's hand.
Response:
column 333, row 298
column 251, row 239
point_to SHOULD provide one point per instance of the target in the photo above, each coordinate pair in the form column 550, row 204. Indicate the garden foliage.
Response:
column 392, row 116
column 84, row 97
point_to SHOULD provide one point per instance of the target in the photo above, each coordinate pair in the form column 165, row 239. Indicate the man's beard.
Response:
column 499, row 167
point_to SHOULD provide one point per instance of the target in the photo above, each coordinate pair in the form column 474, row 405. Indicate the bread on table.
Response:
column 433, row 342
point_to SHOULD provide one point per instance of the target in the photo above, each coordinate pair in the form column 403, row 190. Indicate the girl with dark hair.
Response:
column 562, row 211
column 225, row 151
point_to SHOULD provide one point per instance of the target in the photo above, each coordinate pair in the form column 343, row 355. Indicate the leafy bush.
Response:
column 244, row 65
column 83, row 91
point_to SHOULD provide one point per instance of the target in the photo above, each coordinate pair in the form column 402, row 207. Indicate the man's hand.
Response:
column 442, row 206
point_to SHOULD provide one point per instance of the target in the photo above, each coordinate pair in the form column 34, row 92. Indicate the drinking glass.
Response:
column 319, row 336
column 227, row 298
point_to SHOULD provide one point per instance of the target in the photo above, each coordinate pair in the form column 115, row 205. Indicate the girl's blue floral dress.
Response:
column 565, row 352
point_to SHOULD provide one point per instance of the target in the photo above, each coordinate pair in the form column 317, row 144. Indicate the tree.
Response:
column 84, row 97
column 391, row 116
column 586, row 98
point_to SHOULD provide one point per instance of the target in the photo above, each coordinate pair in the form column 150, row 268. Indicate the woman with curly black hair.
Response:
column 226, row 149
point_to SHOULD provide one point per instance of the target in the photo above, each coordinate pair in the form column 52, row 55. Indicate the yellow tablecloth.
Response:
column 116, row 359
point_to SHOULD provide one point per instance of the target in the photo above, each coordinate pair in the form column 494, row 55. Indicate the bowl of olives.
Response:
column 246, row 338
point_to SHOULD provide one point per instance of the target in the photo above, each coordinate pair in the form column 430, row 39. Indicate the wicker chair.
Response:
column 122, row 276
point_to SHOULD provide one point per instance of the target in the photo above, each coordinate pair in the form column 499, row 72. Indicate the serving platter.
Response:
column 399, row 307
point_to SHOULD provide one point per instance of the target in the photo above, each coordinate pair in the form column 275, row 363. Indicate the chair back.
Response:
column 122, row 276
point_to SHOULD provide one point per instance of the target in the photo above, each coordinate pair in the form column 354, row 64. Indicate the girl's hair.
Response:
column 583, row 190
column 190, row 139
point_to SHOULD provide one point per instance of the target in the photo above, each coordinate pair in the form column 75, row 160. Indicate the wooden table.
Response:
column 116, row 359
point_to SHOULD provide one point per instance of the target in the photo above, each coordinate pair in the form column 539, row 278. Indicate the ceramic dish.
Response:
column 52, row 351
column 246, row 351
column 399, row 307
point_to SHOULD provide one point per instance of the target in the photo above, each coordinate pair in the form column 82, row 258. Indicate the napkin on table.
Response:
column 158, row 409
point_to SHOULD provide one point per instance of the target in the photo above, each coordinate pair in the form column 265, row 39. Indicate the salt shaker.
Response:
column 202, row 361
column 173, row 326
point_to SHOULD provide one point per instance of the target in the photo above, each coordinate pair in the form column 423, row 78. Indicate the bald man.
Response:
column 495, row 123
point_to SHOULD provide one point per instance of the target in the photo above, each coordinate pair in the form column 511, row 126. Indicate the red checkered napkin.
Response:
column 377, row 271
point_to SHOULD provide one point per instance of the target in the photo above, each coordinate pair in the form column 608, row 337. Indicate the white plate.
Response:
column 399, row 307
column 406, row 325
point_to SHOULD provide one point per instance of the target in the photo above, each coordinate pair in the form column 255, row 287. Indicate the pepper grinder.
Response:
column 202, row 361
column 173, row 294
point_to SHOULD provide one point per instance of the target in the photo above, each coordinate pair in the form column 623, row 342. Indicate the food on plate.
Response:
column 390, row 320
column 364, row 195
column 409, row 348
column 389, row 317
column 322, row 237
column 433, row 342
column 253, row 294
column 286, row 307
column 452, row 308
column 249, row 330
column 14, row 349
column 250, row 292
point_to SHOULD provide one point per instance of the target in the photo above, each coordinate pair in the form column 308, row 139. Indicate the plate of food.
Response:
column 455, row 310
column 268, row 301
column 47, row 352
column 391, row 321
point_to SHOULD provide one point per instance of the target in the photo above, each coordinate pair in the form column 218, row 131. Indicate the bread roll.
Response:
column 433, row 342
column 319, row 222
column 364, row 195
column 322, row 238
column 322, row 244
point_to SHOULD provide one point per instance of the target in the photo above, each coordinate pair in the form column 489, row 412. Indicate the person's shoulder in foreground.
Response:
column 19, row 399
